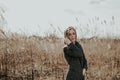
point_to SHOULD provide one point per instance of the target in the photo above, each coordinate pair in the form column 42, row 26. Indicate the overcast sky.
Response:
column 35, row 16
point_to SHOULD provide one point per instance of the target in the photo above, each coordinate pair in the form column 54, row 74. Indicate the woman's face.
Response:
column 72, row 35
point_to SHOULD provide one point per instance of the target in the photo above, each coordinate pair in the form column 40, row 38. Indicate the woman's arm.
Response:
column 72, row 50
column 84, row 65
column 84, row 61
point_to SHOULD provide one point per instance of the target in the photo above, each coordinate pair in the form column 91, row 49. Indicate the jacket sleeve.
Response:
column 72, row 50
column 84, row 60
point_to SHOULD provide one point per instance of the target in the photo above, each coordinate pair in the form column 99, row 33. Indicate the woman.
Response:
column 74, row 55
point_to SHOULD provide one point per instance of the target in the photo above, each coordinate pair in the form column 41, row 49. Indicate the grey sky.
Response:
column 35, row 16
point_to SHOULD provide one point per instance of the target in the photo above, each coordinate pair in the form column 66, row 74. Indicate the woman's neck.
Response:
column 73, row 42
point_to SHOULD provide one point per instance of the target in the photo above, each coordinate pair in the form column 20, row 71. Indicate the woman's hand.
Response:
column 67, row 41
column 84, row 72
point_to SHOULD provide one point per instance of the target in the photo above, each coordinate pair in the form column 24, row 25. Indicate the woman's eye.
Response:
column 71, row 34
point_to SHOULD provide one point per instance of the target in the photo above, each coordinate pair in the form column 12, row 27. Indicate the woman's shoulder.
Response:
column 78, row 44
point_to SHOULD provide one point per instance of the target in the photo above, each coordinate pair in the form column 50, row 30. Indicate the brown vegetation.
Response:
column 42, row 58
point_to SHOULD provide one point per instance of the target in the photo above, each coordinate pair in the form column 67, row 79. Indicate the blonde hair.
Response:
column 66, row 33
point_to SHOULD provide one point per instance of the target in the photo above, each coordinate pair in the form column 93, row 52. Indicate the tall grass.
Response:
column 42, row 58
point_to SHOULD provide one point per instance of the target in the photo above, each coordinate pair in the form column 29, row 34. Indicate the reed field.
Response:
column 42, row 58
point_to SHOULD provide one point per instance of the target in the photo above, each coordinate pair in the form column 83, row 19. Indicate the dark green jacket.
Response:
column 75, row 57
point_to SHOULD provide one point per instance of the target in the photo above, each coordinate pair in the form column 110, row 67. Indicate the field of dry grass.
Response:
column 41, row 58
